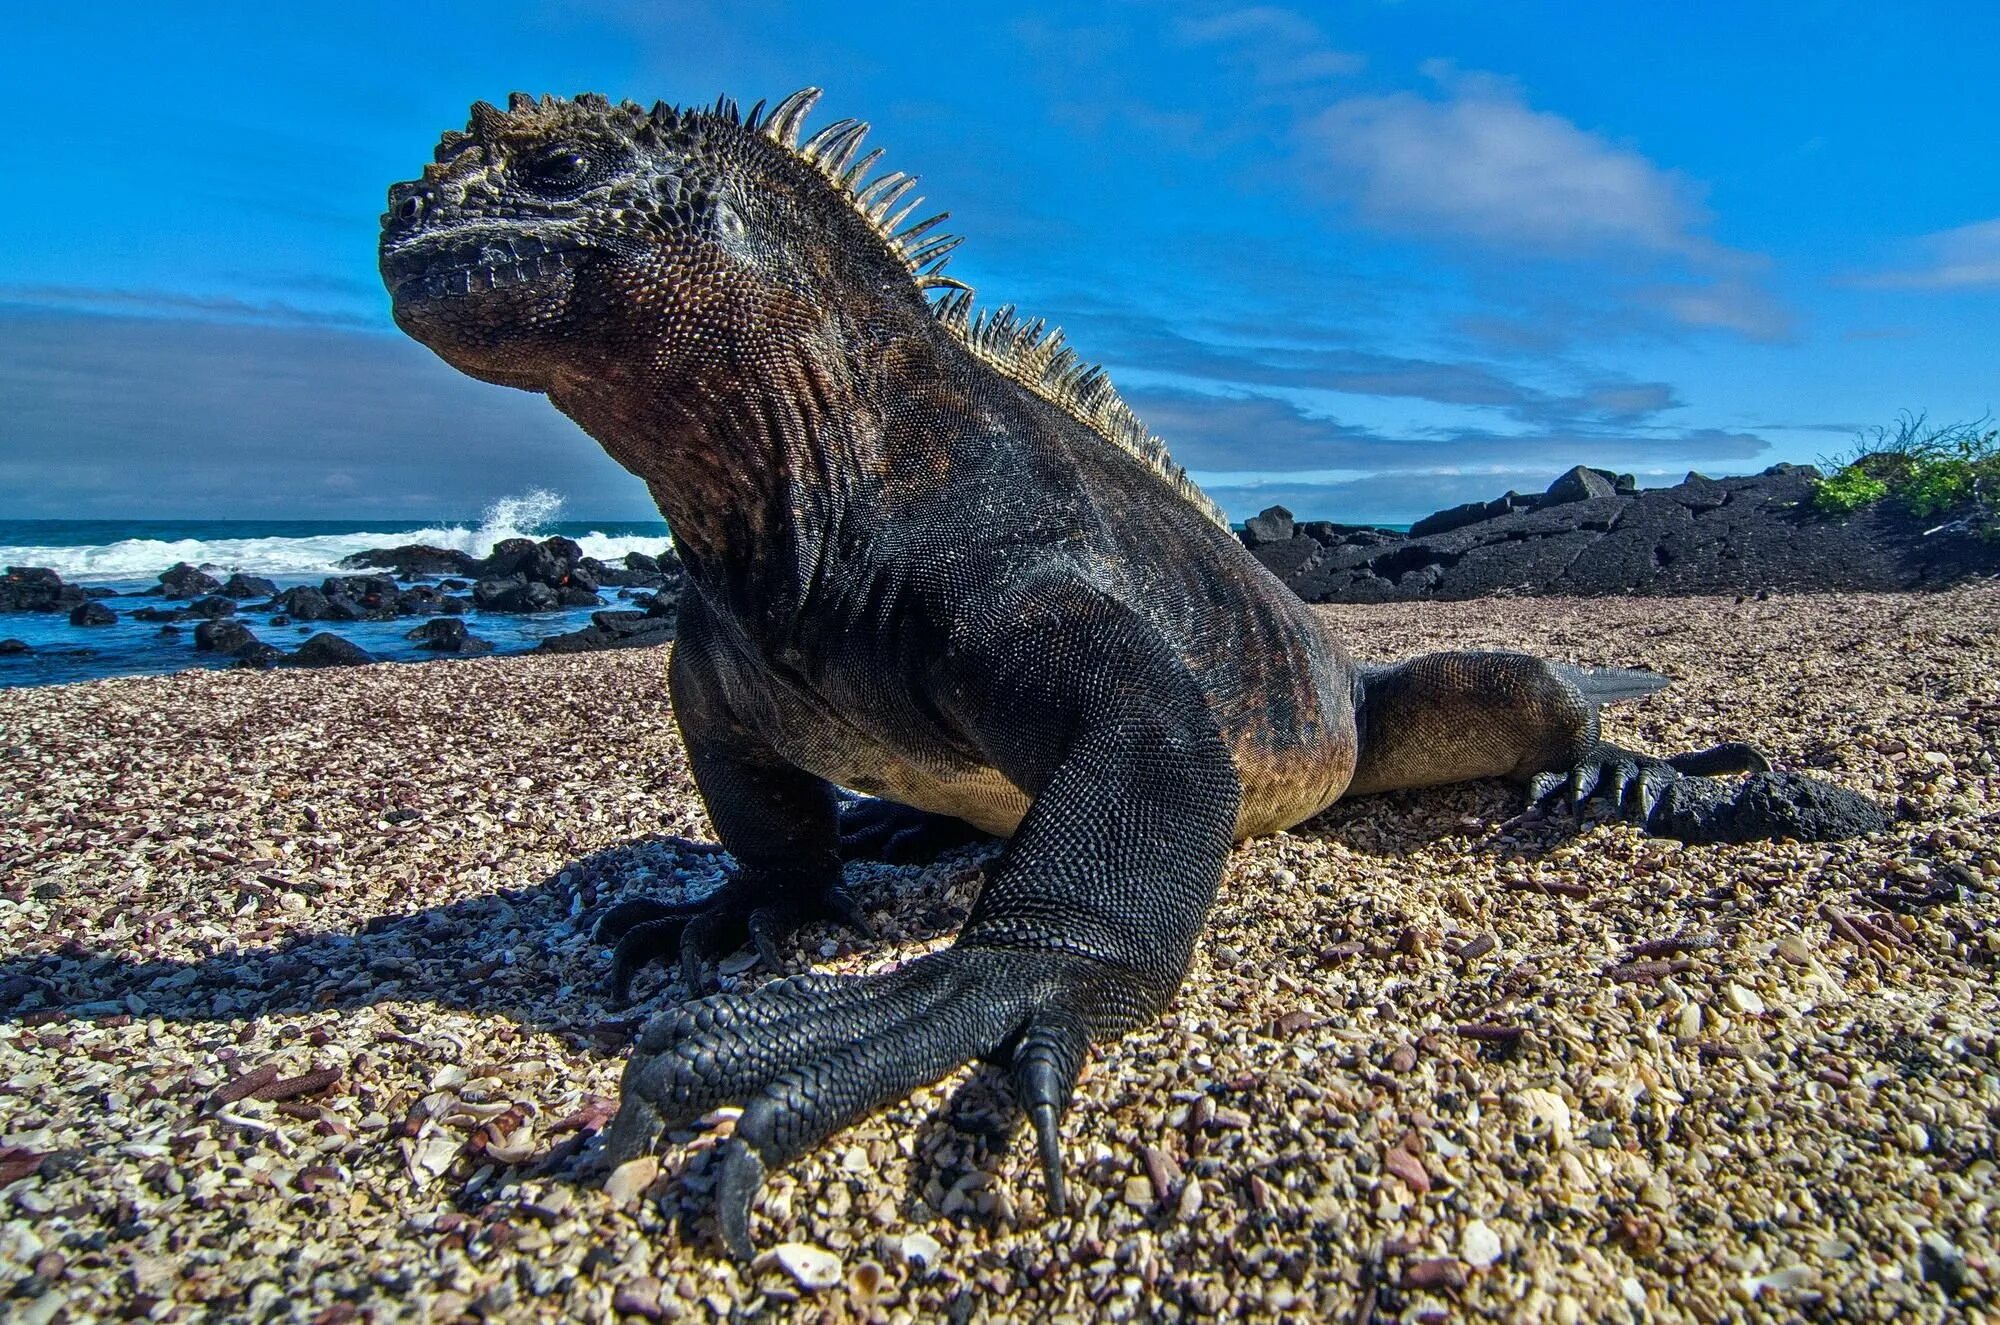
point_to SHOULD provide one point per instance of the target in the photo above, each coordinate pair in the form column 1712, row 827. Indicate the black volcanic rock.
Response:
column 1699, row 492
column 184, row 581
column 548, row 562
column 1273, row 524
column 514, row 593
column 1581, row 484
column 240, row 585
column 415, row 559
column 328, row 650
column 448, row 635
column 424, row 600
column 92, row 613
column 508, row 557
column 9, row 646
column 302, row 603
column 211, row 607
column 362, row 597
column 620, row 630
column 1588, row 537
column 1450, row 518
column 37, row 589
column 225, row 635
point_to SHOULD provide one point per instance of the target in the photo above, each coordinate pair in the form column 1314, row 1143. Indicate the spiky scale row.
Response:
column 1031, row 354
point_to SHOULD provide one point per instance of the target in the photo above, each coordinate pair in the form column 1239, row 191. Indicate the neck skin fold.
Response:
column 757, row 455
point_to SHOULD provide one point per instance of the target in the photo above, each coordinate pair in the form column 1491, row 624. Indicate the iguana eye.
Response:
column 561, row 168
column 727, row 223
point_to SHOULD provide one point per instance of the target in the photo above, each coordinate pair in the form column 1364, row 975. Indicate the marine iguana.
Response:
column 933, row 558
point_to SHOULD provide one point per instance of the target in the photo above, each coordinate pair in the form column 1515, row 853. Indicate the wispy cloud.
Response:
column 1964, row 258
column 1476, row 162
column 1239, row 432
column 1142, row 341
column 1479, row 162
column 165, row 303
column 1729, row 302
column 1277, row 47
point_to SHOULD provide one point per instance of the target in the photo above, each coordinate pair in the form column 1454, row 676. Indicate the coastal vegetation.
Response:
column 1949, row 473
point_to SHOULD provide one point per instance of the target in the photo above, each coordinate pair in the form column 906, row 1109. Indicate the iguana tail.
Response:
column 1610, row 685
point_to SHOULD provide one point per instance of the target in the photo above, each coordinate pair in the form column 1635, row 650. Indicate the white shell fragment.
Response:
column 630, row 1179
column 812, row 1268
column 1479, row 1246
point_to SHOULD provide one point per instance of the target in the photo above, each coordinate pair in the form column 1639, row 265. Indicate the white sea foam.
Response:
column 525, row 516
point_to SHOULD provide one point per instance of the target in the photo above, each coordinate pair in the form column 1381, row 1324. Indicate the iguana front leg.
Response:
column 1083, row 930
column 1452, row 717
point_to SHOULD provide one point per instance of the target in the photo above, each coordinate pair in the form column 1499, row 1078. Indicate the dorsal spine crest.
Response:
column 1031, row 354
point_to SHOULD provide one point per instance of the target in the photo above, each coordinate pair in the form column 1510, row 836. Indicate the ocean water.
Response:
column 127, row 556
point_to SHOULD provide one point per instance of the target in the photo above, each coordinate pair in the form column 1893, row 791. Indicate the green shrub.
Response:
column 1949, row 473
column 1847, row 491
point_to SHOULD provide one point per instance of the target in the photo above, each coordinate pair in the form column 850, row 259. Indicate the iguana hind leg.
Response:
column 1450, row 717
column 872, row 828
column 780, row 823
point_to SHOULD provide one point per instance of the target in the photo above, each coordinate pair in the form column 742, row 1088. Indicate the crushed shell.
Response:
column 378, row 884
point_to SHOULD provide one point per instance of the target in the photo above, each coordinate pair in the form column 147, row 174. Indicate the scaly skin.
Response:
column 928, row 564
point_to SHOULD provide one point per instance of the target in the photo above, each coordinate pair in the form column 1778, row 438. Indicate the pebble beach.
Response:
column 300, row 1018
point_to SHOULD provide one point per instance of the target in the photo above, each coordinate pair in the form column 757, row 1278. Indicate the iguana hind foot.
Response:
column 872, row 828
column 1681, row 797
column 808, row 1055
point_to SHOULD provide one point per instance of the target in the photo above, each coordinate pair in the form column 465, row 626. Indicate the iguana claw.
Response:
column 875, row 829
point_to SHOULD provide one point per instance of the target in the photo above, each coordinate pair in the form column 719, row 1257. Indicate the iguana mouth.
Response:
column 472, row 263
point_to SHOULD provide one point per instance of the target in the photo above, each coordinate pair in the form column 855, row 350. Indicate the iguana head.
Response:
column 564, row 245
column 554, row 234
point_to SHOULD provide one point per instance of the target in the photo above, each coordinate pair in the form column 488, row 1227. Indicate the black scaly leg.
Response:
column 778, row 821
column 1082, row 931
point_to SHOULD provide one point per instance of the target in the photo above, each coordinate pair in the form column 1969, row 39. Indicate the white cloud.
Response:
column 1964, row 258
column 1280, row 47
column 1727, row 303
column 1481, row 163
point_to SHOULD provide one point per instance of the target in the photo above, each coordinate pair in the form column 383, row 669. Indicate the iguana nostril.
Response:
column 410, row 208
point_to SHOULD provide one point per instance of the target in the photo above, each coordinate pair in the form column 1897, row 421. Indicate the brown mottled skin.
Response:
column 918, row 576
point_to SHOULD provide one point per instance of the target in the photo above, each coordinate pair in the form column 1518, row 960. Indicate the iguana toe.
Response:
column 1728, row 757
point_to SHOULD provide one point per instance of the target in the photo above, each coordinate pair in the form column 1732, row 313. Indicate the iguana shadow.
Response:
column 522, row 953
column 527, row 953
column 1399, row 824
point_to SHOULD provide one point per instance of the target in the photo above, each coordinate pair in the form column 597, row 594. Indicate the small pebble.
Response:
column 1478, row 1245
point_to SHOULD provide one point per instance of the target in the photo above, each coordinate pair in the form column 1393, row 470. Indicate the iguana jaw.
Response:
column 490, row 300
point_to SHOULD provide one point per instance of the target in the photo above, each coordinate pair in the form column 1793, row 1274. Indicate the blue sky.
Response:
column 1368, row 260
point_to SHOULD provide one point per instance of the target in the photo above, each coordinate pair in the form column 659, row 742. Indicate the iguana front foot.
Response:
column 699, row 934
column 875, row 829
column 807, row 1055
column 1681, row 797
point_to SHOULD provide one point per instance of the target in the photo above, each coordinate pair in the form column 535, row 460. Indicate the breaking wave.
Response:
column 532, row 514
